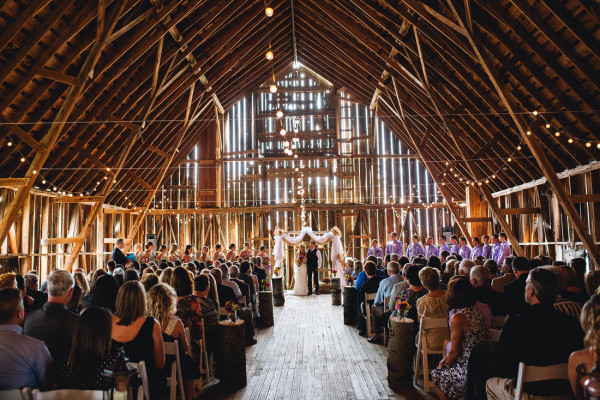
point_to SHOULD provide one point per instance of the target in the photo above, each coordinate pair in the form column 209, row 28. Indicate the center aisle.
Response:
column 311, row 354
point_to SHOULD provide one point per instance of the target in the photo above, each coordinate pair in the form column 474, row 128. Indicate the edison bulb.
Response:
column 279, row 114
column 295, row 155
column 570, row 140
column 282, row 132
column 269, row 55
column 273, row 88
column 269, row 12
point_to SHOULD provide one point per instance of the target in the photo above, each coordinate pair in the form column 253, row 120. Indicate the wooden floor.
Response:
column 311, row 354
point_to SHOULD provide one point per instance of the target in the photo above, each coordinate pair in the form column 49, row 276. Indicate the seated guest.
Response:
column 74, row 304
column 576, row 289
column 541, row 336
column 414, row 291
column 140, row 336
column 225, row 280
column 8, row 280
column 188, row 308
column 386, row 286
column 23, row 359
column 561, row 303
column 492, row 267
column 149, row 281
column 434, row 262
column 165, row 277
column 370, row 286
column 234, row 274
column 90, row 354
column 225, row 292
column 131, row 275
column 433, row 305
column 590, row 322
column 444, row 254
column 81, row 281
column 399, row 287
column 244, row 312
column 54, row 324
column 467, row 329
column 103, row 293
column 514, row 299
column 592, row 282
column 464, row 268
column 95, row 275
column 210, row 312
column 507, row 275
column 162, row 301
column 358, row 268
column 110, row 267
column 259, row 271
column 450, row 270
column 39, row 298
column 480, row 278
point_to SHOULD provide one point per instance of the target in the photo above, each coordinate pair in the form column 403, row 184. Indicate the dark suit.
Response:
column 369, row 287
column 244, row 312
column 119, row 257
column 514, row 296
column 54, row 325
column 312, row 264
column 250, row 282
column 245, row 289
column 485, row 294
column 39, row 298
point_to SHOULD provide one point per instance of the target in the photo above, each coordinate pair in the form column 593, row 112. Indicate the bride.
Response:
column 300, row 273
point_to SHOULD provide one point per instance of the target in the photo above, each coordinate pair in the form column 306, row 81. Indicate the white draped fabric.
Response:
column 337, row 249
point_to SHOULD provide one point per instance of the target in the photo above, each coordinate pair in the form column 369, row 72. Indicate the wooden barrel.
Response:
column 266, row 308
column 278, row 297
column 350, row 316
column 336, row 292
column 401, row 348
column 233, row 354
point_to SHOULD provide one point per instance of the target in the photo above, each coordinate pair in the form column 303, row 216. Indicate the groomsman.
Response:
column 496, row 247
column 487, row 249
column 477, row 250
column 394, row 246
column 375, row 250
column 464, row 251
column 430, row 249
column 454, row 246
column 505, row 248
column 443, row 245
column 415, row 249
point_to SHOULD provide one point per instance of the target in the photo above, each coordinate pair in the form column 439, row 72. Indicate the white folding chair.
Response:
column 495, row 335
column 385, row 308
column 175, row 379
column 68, row 394
column 423, row 350
column 370, row 323
column 144, row 389
column 15, row 394
column 531, row 373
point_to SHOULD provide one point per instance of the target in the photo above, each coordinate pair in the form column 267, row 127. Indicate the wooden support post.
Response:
column 532, row 142
column 26, row 235
column 100, row 239
column 44, row 261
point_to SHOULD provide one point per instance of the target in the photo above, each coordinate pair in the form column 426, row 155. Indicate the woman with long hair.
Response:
column 188, row 308
column 90, row 354
column 165, row 277
column 589, row 356
column 138, row 252
column 189, row 255
column 204, row 257
column 174, row 254
column 218, row 252
column 103, row 293
column 163, row 252
column 82, row 282
column 231, row 253
column 140, row 336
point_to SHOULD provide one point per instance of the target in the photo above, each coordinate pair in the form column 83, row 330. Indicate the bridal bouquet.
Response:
column 301, row 259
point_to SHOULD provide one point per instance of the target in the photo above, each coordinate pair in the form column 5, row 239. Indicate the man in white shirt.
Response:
column 225, row 271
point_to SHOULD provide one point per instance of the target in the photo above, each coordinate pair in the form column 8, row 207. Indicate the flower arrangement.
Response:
column 301, row 259
column 232, row 309
column 333, row 273
column 349, row 281
column 402, row 307
column 276, row 271
column 265, row 284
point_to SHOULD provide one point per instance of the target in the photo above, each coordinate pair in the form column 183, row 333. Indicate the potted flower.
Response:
column 265, row 284
column 349, row 280
column 402, row 308
column 232, row 309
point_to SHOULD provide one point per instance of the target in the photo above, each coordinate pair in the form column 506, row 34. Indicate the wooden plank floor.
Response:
column 311, row 354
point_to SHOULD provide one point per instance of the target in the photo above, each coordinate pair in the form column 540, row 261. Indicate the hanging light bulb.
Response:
column 286, row 144
column 43, row 181
column 9, row 144
column 518, row 147
column 34, row 171
column 535, row 113
column 487, row 181
column 22, row 159
column 547, row 126
column 528, row 133
column 273, row 88
column 509, row 159
column 279, row 114
column 598, row 145
column 588, row 144
column 557, row 134
column 570, row 140
column 494, row 176
column 269, row 12
column 269, row 55
column 282, row 132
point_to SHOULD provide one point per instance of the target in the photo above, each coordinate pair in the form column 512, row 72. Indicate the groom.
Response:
column 313, row 265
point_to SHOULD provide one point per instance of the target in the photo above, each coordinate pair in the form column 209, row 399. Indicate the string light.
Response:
column 269, row 12
column 269, row 55
column 9, row 144
column 273, row 88
column 282, row 132
column 279, row 114
column 22, row 159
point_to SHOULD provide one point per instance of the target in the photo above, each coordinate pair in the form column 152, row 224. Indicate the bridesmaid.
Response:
column 138, row 252
column 218, row 252
column 189, row 255
column 175, row 254
column 205, row 258
column 231, row 253
column 163, row 252
column 262, row 253
column 149, row 253
column 246, row 253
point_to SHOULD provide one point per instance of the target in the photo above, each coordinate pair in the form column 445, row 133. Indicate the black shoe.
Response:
column 252, row 343
column 310, row 293
column 375, row 340
column 363, row 333
column 317, row 293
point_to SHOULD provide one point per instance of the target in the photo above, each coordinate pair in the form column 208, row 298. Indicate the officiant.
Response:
column 313, row 264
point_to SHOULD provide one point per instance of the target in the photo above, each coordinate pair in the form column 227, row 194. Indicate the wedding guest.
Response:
column 259, row 271
column 174, row 254
column 467, row 329
column 400, row 286
column 590, row 322
column 386, row 286
column 394, row 246
column 375, row 250
column 166, row 275
column 54, row 324
column 576, row 289
column 210, row 313
column 140, row 336
column 492, row 267
column 225, row 280
column 434, row 262
column 433, row 305
column 218, row 254
column 188, row 308
column 465, row 266
column 514, row 299
column 246, row 276
column 540, row 336
column 562, row 304
column 39, row 297
column 81, row 281
column 149, row 281
column 23, row 359
column 358, row 267
column 131, row 274
column 507, row 277
column 414, row 291
column 592, row 282
column 74, row 304
column 480, row 278
column 370, row 286
column 103, row 293
column 90, row 354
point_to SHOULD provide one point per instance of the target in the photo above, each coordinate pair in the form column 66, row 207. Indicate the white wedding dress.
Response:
column 300, row 279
